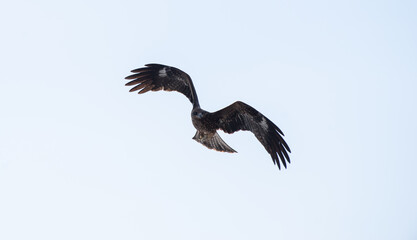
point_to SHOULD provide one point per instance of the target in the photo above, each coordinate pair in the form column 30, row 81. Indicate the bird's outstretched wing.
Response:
column 240, row 116
column 157, row 77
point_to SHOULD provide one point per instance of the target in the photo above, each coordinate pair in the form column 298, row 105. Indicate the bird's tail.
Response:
column 213, row 141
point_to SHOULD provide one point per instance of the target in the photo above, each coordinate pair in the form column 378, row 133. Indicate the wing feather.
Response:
column 146, row 89
column 142, row 69
column 137, row 81
column 156, row 77
column 139, row 75
column 240, row 116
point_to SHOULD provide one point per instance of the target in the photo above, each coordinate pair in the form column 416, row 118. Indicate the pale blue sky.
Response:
column 82, row 158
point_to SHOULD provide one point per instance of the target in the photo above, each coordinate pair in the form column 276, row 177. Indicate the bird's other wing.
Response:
column 155, row 77
column 240, row 116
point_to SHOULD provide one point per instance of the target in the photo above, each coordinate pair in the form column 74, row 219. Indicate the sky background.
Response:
column 82, row 158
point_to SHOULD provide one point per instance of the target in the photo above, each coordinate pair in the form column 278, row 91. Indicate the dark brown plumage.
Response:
column 237, row 116
column 157, row 77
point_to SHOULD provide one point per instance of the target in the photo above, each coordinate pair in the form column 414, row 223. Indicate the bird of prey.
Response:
column 237, row 116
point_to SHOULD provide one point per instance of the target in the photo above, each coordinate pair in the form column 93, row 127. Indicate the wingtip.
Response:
column 130, row 77
column 141, row 69
column 279, row 159
column 279, row 167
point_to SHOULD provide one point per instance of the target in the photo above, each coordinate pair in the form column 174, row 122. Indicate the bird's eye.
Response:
column 194, row 113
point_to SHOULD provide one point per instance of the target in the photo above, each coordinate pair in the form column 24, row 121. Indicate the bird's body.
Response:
column 207, row 131
column 235, row 117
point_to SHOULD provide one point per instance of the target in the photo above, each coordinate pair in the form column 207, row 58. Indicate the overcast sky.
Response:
column 82, row 158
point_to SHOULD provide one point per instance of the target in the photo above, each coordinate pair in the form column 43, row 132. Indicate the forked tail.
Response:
column 213, row 141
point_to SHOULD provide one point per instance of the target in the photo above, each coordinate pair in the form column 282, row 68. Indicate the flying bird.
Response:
column 235, row 117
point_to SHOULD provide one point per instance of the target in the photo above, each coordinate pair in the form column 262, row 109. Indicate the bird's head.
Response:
column 198, row 113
